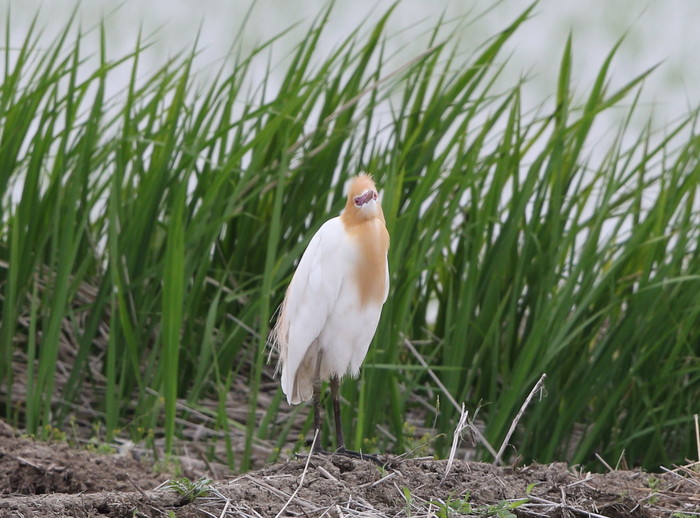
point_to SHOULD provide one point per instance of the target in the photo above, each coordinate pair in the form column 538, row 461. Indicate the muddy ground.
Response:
column 51, row 479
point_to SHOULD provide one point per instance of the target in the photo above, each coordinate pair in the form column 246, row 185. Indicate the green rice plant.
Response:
column 147, row 237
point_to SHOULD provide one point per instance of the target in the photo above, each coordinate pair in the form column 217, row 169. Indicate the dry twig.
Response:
column 451, row 399
column 461, row 425
column 697, row 435
column 301, row 480
column 538, row 386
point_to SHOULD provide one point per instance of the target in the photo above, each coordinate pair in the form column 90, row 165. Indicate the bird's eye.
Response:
column 358, row 202
column 374, row 195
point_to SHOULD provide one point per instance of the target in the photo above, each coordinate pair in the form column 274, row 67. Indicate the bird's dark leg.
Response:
column 335, row 393
column 316, row 400
column 317, row 449
column 317, row 416
column 340, row 441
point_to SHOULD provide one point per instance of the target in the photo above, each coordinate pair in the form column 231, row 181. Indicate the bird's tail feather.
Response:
column 279, row 336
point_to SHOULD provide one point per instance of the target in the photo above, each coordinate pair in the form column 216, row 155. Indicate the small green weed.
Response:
column 653, row 484
column 415, row 446
column 190, row 490
column 463, row 507
column 409, row 499
column 50, row 433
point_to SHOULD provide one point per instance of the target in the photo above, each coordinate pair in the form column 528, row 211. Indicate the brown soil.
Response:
column 34, row 468
column 50, row 479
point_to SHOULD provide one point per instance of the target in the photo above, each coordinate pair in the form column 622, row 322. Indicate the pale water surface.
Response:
column 658, row 31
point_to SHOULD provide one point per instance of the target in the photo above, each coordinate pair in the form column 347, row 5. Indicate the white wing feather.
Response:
column 309, row 300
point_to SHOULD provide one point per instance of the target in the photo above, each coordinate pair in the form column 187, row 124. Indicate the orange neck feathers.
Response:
column 363, row 219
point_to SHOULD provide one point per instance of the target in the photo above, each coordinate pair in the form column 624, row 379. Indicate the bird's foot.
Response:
column 315, row 451
column 362, row 456
column 348, row 453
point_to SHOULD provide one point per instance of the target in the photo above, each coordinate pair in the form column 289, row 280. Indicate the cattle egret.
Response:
column 332, row 305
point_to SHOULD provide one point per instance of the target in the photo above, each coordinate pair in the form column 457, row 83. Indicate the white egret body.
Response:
column 333, row 303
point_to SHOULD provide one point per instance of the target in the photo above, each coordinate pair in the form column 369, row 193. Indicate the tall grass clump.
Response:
column 147, row 238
